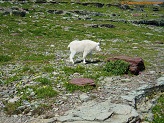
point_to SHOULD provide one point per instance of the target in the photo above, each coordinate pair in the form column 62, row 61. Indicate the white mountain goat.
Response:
column 85, row 46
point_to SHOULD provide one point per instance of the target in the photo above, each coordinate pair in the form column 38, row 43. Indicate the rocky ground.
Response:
column 117, row 99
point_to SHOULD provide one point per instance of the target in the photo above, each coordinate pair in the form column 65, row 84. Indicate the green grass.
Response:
column 72, row 88
column 11, row 79
column 5, row 58
column 45, row 92
column 44, row 81
column 71, row 70
column 158, row 110
column 48, row 69
column 27, row 69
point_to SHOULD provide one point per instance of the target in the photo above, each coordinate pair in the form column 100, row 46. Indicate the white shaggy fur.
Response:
column 85, row 46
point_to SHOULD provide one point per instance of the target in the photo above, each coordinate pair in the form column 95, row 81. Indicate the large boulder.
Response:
column 82, row 81
column 136, row 64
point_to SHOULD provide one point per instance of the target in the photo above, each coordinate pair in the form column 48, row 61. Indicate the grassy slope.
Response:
column 29, row 41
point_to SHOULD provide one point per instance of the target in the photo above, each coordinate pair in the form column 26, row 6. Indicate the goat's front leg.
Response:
column 85, row 53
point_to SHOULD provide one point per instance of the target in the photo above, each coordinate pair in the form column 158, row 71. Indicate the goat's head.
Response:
column 98, row 47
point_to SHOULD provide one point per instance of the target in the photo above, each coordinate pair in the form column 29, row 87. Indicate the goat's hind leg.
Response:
column 72, row 56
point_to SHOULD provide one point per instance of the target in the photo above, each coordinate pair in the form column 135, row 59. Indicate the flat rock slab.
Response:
column 104, row 111
column 82, row 81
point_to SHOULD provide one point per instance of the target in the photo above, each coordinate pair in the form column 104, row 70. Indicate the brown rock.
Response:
column 82, row 81
column 136, row 64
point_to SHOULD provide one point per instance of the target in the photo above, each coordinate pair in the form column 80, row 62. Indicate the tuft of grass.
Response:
column 36, row 57
column 117, row 67
column 12, row 79
column 158, row 110
column 27, row 69
column 44, row 81
column 11, row 108
column 45, row 92
column 5, row 58
column 48, row 69
column 72, row 88
column 41, row 109
column 25, row 93
column 71, row 70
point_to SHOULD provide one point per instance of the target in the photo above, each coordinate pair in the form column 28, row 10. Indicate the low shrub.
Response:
column 117, row 67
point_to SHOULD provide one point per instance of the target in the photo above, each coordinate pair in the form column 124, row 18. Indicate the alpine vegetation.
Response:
column 85, row 46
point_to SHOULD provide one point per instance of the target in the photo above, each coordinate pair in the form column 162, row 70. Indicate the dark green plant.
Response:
column 27, row 69
column 5, row 58
column 44, row 81
column 45, row 92
column 117, row 67
column 48, row 69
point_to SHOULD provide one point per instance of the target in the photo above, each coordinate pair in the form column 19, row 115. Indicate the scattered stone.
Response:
column 82, row 81
column 100, row 25
column 76, row 75
column 150, row 22
column 130, row 98
column 19, row 13
column 99, row 5
column 14, row 11
column 52, row 45
column 125, row 7
column 84, row 97
column 155, row 8
column 159, row 42
column 152, row 72
column 135, row 47
column 125, row 80
column 56, row 11
column 13, row 100
column 160, row 82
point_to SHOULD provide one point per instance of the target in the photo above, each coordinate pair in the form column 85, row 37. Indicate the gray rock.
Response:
column 129, row 98
column 104, row 111
column 143, row 87
column 13, row 100
column 125, row 80
column 84, row 97
column 160, row 81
